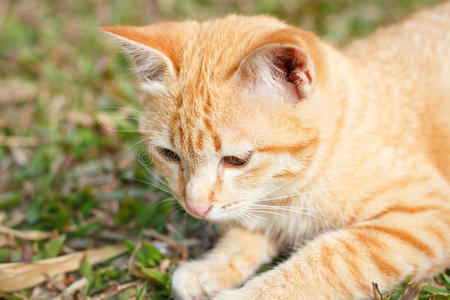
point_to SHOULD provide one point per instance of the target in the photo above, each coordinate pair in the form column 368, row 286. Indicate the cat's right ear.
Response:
column 153, row 56
column 280, row 66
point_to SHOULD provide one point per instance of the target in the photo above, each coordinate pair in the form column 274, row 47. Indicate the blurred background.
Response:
column 71, row 159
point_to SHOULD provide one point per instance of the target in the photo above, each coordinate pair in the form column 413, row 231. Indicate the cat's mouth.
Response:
column 234, row 211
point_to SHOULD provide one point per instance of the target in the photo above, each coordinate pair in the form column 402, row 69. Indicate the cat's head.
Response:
column 230, row 108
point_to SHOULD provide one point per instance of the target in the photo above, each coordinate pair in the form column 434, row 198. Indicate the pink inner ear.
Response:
column 281, row 71
column 292, row 64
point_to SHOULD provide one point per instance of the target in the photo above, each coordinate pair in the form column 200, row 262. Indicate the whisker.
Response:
column 170, row 199
column 285, row 210
column 251, row 215
column 153, row 185
column 156, row 177
column 242, row 218
column 120, row 108
column 137, row 143
column 122, row 130
column 147, row 121
column 268, row 212
column 285, row 207
column 154, row 174
column 282, row 185
column 178, row 212
column 297, row 194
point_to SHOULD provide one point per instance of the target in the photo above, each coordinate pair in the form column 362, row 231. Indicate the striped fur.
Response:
column 350, row 153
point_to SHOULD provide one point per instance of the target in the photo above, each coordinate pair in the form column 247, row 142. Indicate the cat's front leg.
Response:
column 399, row 243
column 235, row 258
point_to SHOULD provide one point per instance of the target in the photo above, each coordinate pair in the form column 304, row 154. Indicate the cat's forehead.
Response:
column 215, row 48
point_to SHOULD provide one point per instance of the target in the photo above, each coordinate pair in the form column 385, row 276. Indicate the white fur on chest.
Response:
column 288, row 228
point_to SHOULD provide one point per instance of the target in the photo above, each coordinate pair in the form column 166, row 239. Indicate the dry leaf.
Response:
column 179, row 247
column 376, row 292
column 17, row 276
column 18, row 141
column 116, row 290
column 33, row 235
column 75, row 286
column 16, row 90
column 411, row 291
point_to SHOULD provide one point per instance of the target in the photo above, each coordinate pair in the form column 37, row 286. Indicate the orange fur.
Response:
column 349, row 150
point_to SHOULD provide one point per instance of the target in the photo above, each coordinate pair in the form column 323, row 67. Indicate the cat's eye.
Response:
column 169, row 155
column 235, row 160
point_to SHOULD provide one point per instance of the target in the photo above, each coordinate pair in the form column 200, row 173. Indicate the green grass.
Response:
column 70, row 157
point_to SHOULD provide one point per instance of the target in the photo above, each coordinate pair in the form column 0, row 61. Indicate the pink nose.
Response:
column 198, row 211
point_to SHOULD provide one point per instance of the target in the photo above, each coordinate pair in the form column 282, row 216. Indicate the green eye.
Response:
column 169, row 155
column 236, row 161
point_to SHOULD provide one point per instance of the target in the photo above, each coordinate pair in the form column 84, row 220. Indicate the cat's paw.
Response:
column 232, row 295
column 201, row 280
column 198, row 280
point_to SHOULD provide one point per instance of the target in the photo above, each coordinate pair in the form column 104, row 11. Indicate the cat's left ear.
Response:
column 283, row 70
column 153, row 48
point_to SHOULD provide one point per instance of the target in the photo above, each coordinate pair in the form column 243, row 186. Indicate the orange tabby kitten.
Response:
column 342, row 156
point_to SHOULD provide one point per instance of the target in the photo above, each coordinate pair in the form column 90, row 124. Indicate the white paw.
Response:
column 185, row 285
column 231, row 295
column 200, row 280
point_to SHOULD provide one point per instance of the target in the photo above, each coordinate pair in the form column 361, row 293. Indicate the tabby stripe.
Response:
column 179, row 100
column 175, row 120
column 207, row 112
column 172, row 124
column 180, row 134
column 293, row 149
column 257, row 171
column 326, row 259
column 285, row 174
column 398, row 185
column 190, row 134
column 217, row 142
column 350, row 260
column 216, row 139
column 207, row 106
column 404, row 209
column 382, row 265
column 403, row 236
column 199, row 142
column 437, row 233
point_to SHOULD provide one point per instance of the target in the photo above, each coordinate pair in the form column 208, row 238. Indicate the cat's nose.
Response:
column 198, row 210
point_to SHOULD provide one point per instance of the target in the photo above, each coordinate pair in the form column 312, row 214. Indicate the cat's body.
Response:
column 411, row 62
column 347, row 155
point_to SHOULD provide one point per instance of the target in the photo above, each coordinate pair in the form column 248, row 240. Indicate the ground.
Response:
column 72, row 163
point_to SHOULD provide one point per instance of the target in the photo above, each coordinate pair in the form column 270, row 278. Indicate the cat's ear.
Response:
column 284, row 70
column 154, row 56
